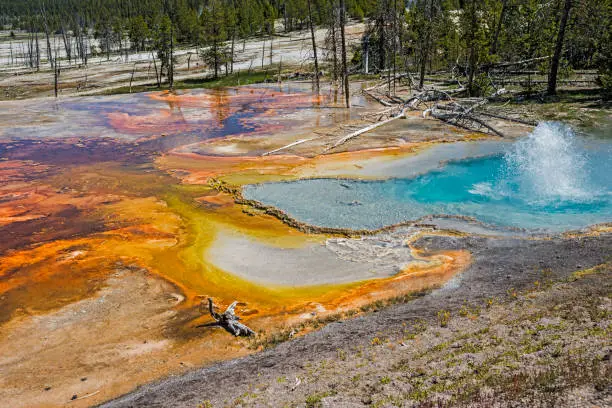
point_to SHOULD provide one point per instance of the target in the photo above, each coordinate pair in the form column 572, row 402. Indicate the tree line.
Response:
column 468, row 38
column 474, row 37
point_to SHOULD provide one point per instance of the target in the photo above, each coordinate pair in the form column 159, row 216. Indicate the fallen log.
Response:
column 508, row 118
column 379, row 115
column 378, row 99
column 364, row 130
column 513, row 63
column 430, row 95
column 228, row 320
column 460, row 119
column 385, row 82
column 287, row 146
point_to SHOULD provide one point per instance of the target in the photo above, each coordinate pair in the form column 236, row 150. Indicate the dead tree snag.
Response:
column 228, row 320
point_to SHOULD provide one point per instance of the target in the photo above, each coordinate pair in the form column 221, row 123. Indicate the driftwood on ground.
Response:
column 361, row 131
column 228, row 320
column 288, row 146
column 428, row 99
column 461, row 118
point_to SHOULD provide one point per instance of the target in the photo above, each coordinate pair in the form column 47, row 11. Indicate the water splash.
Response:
column 547, row 166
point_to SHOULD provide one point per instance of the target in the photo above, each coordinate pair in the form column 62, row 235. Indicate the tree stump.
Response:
column 228, row 320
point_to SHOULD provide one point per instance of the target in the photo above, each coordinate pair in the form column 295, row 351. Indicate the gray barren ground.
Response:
column 502, row 333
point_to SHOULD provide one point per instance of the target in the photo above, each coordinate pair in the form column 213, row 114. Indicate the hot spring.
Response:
column 551, row 180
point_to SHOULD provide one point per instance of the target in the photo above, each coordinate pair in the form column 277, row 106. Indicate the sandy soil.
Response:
column 35, row 346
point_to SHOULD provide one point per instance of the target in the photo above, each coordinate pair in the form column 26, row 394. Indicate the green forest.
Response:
column 467, row 37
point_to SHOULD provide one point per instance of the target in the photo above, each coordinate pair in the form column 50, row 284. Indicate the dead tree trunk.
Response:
column 395, row 41
column 232, row 50
column 263, row 52
column 334, row 48
column 171, row 60
column 132, row 76
column 228, row 320
column 157, row 76
column 37, row 54
column 56, row 75
column 500, row 23
column 472, row 48
column 49, row 52
column 554, row 63
column 366, row 54
column 67, row 44
column 425, row 46
column 344, row 65
column 314, row 48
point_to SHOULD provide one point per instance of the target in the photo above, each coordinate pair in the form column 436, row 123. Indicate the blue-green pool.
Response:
column 551, row 180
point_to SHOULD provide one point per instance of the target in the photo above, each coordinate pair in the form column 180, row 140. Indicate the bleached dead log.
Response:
column 514, row 63
column 385, row 82
column 287, row 146
column 461, row 119
column 365, row 129
column 228, row 320
column 380, row 115
column 508, row 118
column 430, row 95
column 377, row 98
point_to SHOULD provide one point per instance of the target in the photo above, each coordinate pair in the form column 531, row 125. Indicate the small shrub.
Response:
column 490, row 302
column 314, row 400
column 444, row 317
column 376, row 341
column 605, row 81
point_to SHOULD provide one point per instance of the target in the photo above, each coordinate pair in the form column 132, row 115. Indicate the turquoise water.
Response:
column 551, row 180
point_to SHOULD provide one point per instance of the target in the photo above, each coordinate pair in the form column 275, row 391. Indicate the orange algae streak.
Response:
column 198, row 169
column 217, row 200
column 160, row 121
column 434, row 271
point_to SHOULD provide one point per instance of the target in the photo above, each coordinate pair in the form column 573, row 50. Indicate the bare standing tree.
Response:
column 500, row 23
column 426, row 42
column 332, row 42
column 52, row 59
column 471, row 44
column 314, row 48
column 171, row 58
column 344, row 65
column 46, row 26
column 554, row 63
column 67, row 43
